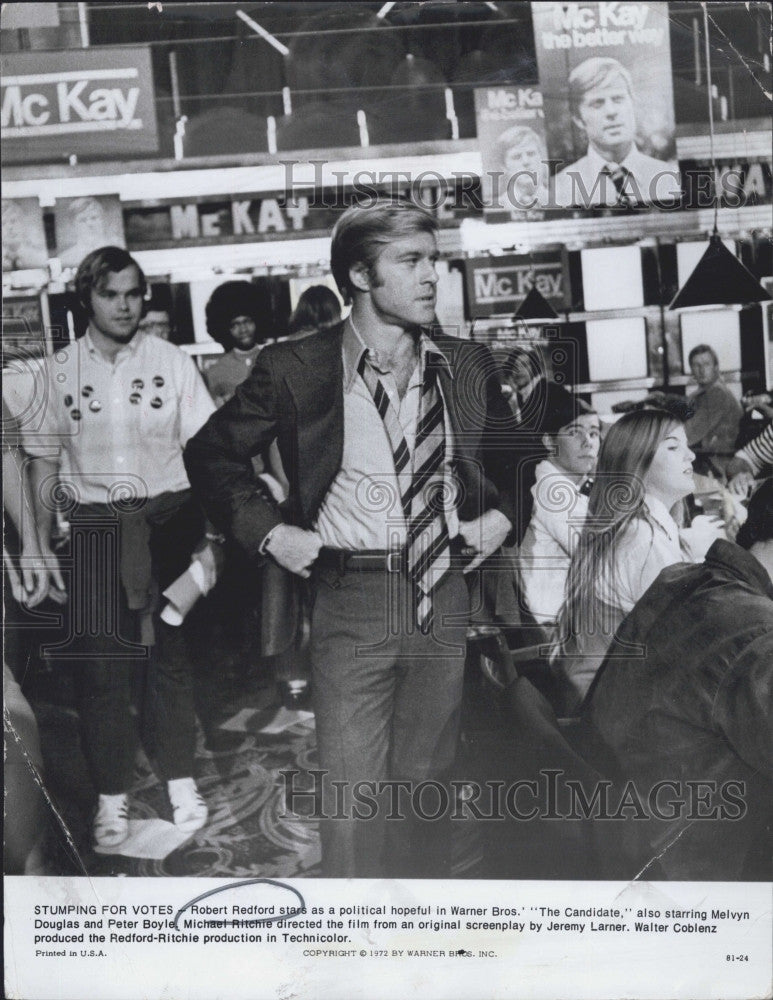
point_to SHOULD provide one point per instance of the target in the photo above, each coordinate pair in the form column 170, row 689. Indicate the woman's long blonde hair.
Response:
column 616, row 500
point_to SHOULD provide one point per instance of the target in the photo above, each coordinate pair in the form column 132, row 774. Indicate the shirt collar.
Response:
column 354, row 347
column 597, row 162
column 125, row 351
column 251, row 353
column 633, row 161
column 660, row 514
column 546, row 467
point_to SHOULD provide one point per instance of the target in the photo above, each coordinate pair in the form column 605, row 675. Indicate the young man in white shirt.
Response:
column 119, row 408
column 572, row 438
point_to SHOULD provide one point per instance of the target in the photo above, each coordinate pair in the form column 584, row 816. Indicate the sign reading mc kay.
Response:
column 498, row 285
column 96, row 101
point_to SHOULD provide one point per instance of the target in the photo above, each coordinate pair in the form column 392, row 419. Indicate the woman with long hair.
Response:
column 631, row 533
column 318, row 309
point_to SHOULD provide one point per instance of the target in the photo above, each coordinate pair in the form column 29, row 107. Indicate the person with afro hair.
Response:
column 235, row 319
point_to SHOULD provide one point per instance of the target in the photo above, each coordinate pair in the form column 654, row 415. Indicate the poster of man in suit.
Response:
column 605, row 71
column 511, row 133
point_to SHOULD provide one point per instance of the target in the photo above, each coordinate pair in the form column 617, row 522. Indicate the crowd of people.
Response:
column 378, row 470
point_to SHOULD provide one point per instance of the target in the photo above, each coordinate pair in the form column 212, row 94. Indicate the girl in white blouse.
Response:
column 631, row 533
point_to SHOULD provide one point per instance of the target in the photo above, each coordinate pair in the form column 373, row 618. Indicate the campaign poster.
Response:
column 511, row 133
column 76, row 102
column 85, row 224
column 24, row 239
column 605, row 72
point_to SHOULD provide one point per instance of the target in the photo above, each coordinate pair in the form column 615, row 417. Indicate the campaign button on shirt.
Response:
column 138, row 384
column 149, row 440
column 156, row 403
column 158, row 381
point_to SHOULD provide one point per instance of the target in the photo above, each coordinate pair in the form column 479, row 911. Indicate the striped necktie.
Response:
column 421, row 483
column 620, row 176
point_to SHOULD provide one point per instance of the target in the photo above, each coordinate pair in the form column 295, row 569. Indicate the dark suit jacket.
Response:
column 295, row 394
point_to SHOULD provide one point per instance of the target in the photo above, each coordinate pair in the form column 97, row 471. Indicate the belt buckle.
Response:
column 391, row 567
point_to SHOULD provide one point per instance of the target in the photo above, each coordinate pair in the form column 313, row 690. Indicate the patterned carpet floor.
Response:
column 250, row 831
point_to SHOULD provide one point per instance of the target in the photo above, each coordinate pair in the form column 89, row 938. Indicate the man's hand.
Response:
column 740, row 476
column 485, row 535
column 30, row 586
column 56, row 588
column 741, row 484
column 294, row 549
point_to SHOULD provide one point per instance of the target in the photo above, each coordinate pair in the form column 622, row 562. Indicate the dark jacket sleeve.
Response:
column 218, row 458
column 497, row 442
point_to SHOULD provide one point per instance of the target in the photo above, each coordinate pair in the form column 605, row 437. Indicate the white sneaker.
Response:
column 188, row 807
column 111, row 824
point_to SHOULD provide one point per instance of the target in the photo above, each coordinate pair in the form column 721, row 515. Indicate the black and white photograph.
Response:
column 388, row 500
column 606, row 73
column 85, row 224
column 514, row 155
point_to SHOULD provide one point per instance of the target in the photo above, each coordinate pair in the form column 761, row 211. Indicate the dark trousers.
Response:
column 387, row 701
column 103, row 640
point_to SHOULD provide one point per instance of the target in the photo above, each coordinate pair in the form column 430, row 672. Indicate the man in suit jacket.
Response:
column 396, row 457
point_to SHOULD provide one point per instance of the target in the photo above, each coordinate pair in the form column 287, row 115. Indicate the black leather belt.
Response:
column 376, row 560
column 364, row 560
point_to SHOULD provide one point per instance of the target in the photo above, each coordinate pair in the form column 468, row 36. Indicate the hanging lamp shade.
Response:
column 535, row 306
column 719, row 279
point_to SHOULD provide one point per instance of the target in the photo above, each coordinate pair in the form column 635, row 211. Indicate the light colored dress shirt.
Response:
column 586, row 182
column 118, row 428
column 545, row 553
column 362, row 508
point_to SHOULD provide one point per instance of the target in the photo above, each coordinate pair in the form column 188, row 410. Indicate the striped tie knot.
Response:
column 620, row 176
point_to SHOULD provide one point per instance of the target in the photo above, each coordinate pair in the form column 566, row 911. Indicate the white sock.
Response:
column 180, row 783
